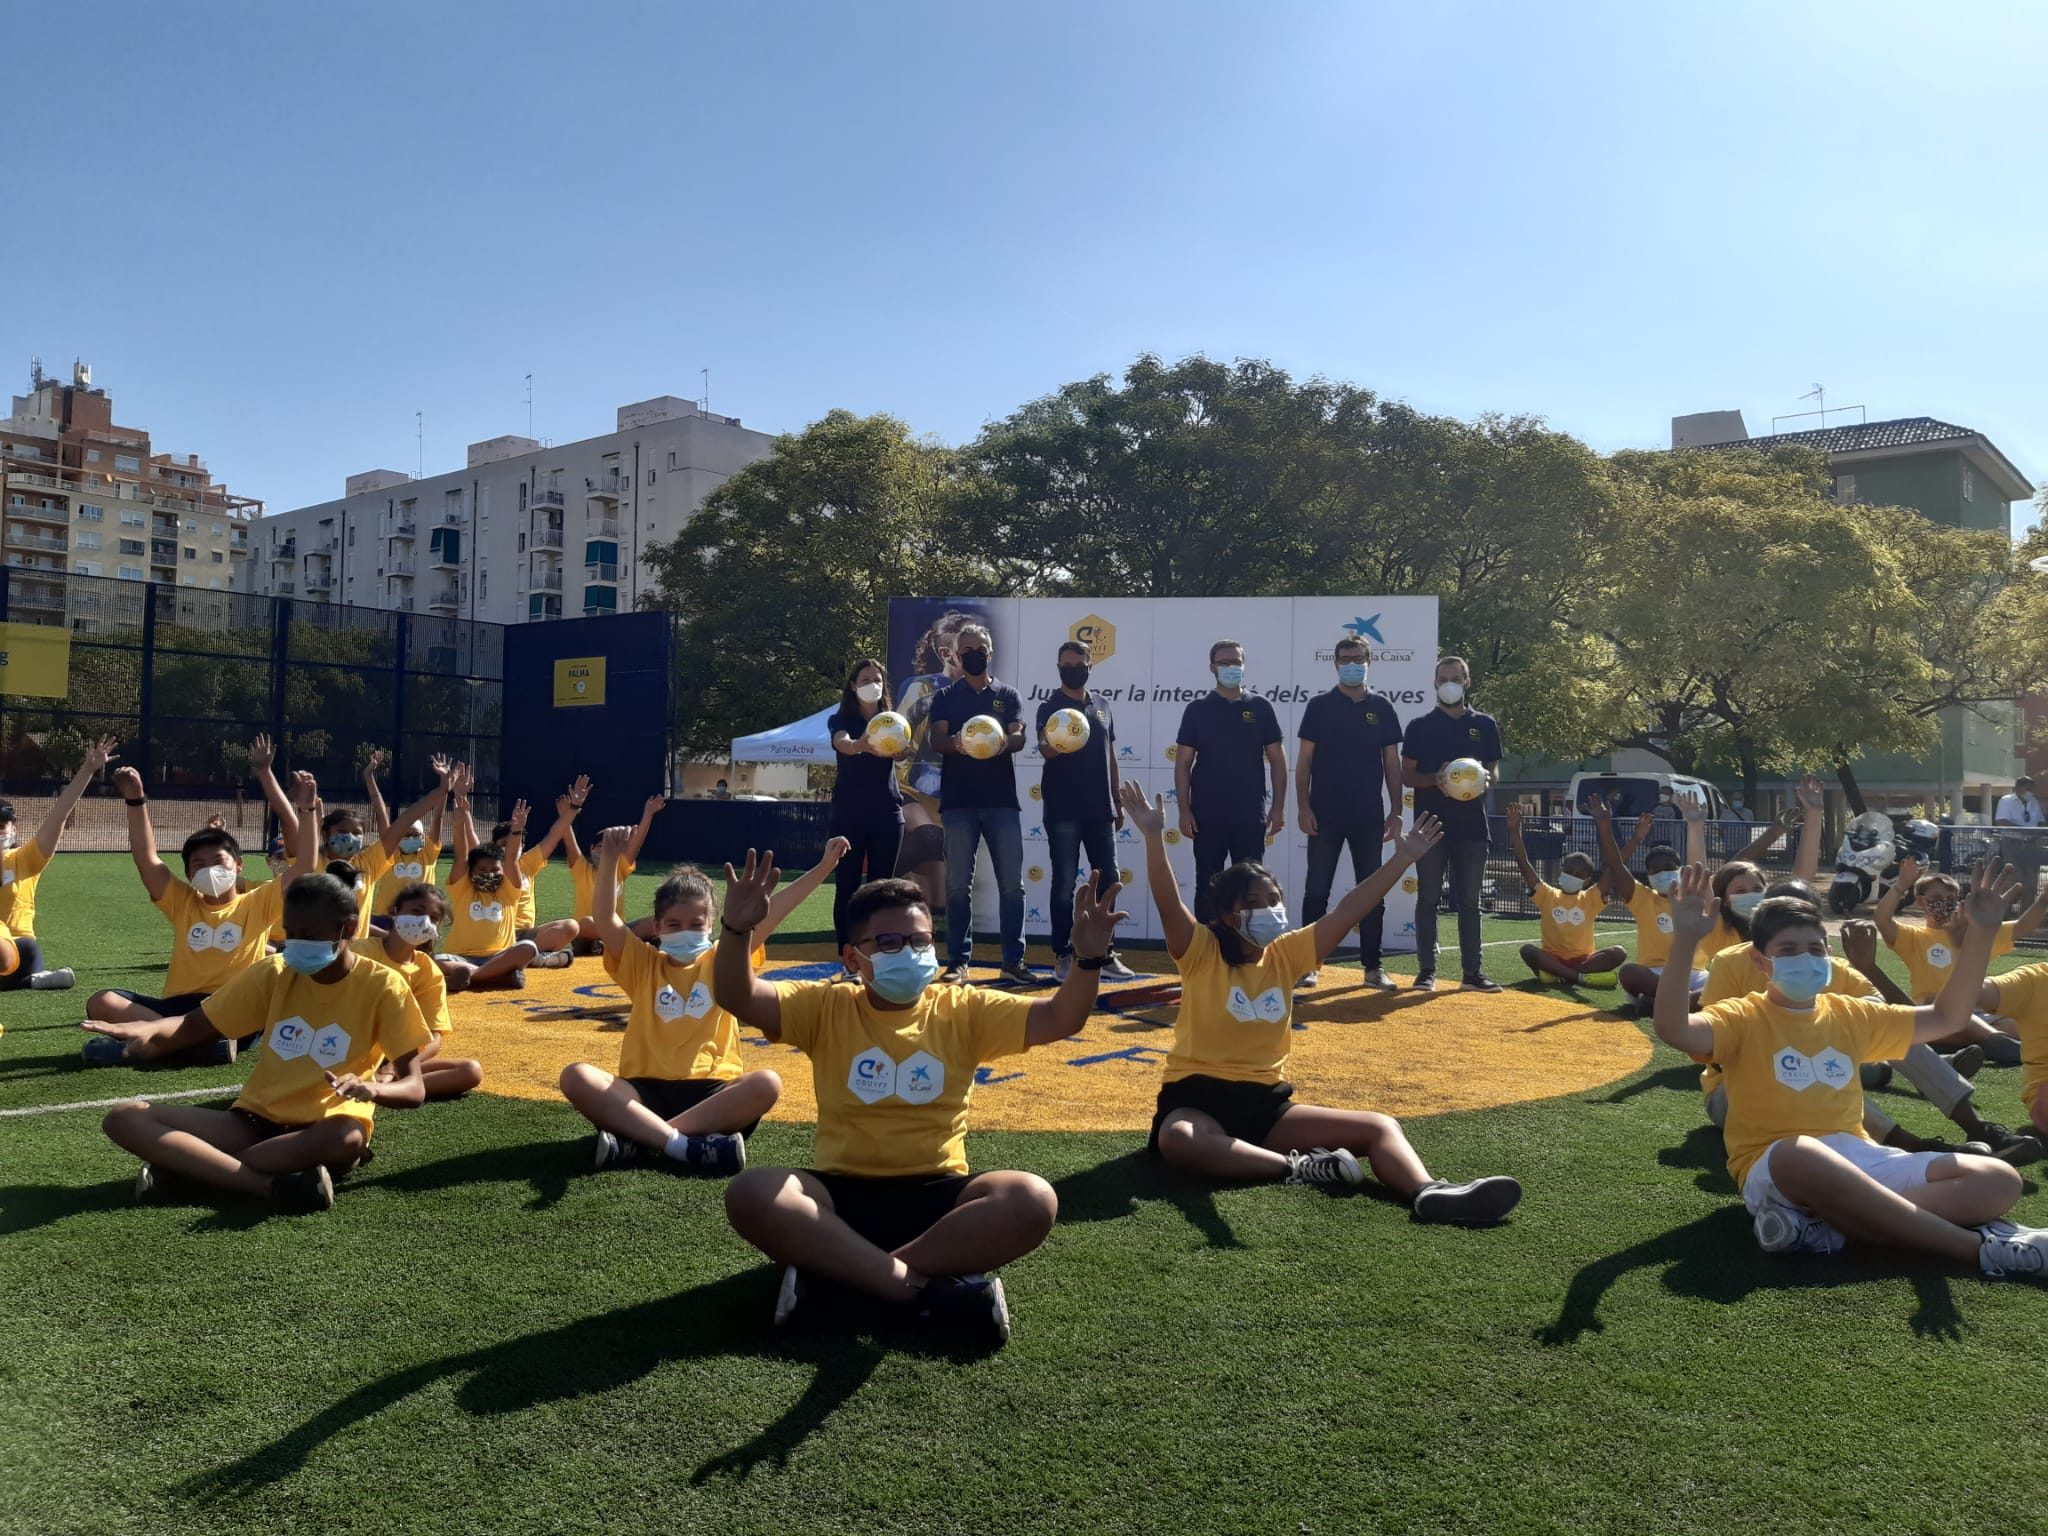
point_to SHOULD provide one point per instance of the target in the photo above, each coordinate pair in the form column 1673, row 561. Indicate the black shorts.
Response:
column 670, row 1096
column 1248, row 1111
column 890, row 1212
column 163, row 1007
column 264, row 1127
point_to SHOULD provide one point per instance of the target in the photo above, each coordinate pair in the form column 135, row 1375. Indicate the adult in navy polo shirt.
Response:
column 978, row 804
column 1349, row 753
column 1450, row 731
column 1078, row 791
column 1229, row 745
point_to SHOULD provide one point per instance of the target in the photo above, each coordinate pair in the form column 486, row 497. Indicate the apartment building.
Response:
column 81, row 496
column 524, row 531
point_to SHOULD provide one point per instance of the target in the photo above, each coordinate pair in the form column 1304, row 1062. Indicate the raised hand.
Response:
column 655, row 805
column 1095, row 920
column 1513, row 815
column 565, row 808
column 1992, row 892
column 1909, row 872
column 375, row 762
column 216, row 822
column 127, row 783
column 1859, row 943
column 1694, row 908
column 1810, row 796
column 1420, row 838
column 579, row 791
column 1691, row 806
column 1644, row 825
column 615, row 840
column 516, row 822
column 262, row 753
column 835, row 850
column 747, row 893
column 441, row 765
column 1148, row 817
column 305, row 791
column 99, row 754
column 1598, row 807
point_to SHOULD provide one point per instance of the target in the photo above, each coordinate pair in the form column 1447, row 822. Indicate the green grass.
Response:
column 482, row 1336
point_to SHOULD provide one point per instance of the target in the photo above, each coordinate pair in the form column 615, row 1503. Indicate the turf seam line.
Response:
column 126, row 1098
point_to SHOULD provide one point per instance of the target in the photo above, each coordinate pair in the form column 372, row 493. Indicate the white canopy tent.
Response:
column 808, row 740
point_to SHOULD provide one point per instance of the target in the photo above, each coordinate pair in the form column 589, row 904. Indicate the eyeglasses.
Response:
column 895, row 943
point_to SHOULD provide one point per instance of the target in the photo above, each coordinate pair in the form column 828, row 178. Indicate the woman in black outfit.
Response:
column 867, row 804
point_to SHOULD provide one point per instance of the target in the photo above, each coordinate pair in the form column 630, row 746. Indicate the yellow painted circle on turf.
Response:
column 1406, row 1053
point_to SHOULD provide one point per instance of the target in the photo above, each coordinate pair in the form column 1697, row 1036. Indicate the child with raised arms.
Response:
column 483, row 948
column 1929, row 948
column 419, row 843
column 21, row 867
column 680, row 1100
column 1225, row 1109
column 1566, row 913
column 1649, row 899
column 419, row 913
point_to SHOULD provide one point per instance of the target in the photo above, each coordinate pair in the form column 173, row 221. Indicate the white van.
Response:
column 1638, row 794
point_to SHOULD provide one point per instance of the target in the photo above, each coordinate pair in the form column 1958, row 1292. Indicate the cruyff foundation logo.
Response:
column 1098, row 634
column 1828, row 1069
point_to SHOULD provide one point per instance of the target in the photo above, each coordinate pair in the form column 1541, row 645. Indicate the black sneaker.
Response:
column 1425, row 981
column 1480, row 984
column 716, row 1154
column 1873, row 1075
column 1325, row 1169
column 1467, row 1205
column 2019, row 1148
column 1968, row 1061
column 310, row 1189
column 970, row 1306
column 617, row 1152
column 1021, row 975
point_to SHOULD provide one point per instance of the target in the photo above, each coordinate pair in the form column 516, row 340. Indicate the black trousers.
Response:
column 875, row 839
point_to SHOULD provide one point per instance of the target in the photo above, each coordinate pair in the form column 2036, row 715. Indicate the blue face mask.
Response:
column 1802, row 978
column 686, row 945
column 1351, row 673
column 1744, row 906
column 1571, row 885
column 1230, row 677
column 411, row 844
column 309, row 957
column 1262, row 925
column 346, row 844
column 903, row 976
column 1663, row 881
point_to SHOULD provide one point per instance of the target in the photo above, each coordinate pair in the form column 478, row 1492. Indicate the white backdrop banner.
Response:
column 1151, row 662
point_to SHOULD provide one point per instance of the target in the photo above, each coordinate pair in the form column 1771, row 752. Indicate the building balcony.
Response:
column 163, row 551
column 442, row 560
column 601, row 570
column 547, row 581
column 447, row 600
column 548, row 499
column 319, row 586
column 404, row 570
column 37, row 596
column 546, row 538
column 450, row 517
column 287, row 588
column 55, row 543
column 19, row 478
column 161, row 524
column 405, row 530
column 288, row 550
column 41, row 514
column 602, row 487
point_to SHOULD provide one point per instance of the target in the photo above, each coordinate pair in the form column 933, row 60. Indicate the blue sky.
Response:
column 277, row 232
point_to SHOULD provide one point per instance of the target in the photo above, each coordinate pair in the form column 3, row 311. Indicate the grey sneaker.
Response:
column 1325, row 1169
column 1377, row 977
column 617, row 1152
column 61, row 980
column 1063, row 967
column 1021, row 975
column 1115, row 969
column 553, row 960
column 1785, row 1228
column 2013, row 1252
column 953, row 976
column 1308, row 979
column 2000, row 1050
column 1474, row 1204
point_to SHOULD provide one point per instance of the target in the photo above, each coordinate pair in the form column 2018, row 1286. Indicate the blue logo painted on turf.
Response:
column 986, row 1075
column 1366, row 629
column 1128, row 1053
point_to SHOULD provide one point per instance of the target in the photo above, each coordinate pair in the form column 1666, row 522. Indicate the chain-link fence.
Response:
column 185, row 677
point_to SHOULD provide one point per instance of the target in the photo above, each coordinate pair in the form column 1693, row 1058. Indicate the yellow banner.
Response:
column 35, row 660
column 579, row 680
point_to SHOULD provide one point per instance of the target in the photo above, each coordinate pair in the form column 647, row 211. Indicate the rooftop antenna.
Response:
column 706, row 401
column 529, row 405
column 419, row 427
column 1821, row 395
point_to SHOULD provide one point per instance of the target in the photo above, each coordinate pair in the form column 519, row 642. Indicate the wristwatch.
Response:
column 1090, row 962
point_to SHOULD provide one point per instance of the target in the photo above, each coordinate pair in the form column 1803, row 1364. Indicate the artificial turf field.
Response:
column 483, row 1335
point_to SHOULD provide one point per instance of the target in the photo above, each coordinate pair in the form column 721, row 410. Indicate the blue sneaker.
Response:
column 715, row 1155
column 104, row 1051
column 970, row 1306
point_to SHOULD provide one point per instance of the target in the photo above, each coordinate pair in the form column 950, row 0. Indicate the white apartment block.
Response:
column 525, row 531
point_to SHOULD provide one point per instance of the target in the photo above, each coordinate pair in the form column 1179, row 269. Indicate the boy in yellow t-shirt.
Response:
column 483, row 949
column 1226, row 1110
column 1929, row 948
column 419, row 913
column 890, row 1209
column 21, row 868
column 1649, row 899
column 1809, row 1176
column 2022, row 996
column 329, row 1019
column 680, row 1099
column 1564, row 950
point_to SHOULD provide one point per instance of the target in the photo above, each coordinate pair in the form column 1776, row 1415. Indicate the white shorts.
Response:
column 1898, row 1171
column 1699, row 978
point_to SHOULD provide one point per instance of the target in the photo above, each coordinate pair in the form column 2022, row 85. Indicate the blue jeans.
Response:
column 1367, row 852
column 1003, row 831
column 1065, row 840
column 1467, row 864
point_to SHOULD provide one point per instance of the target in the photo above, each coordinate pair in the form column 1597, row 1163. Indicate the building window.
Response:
column 131, row 546
column 214, row 584
column 1845, row 489
column 191, row 553
column 1969, row 483
column 127, row 464
column 188, row 581
column 483, row 585
column 88, row 513
column 191, row 527
column 92, row 455
column 218, row 557
column 87, row 539
column 131, row 573
column 85, row 567
column 650, row 477
column 134, row 520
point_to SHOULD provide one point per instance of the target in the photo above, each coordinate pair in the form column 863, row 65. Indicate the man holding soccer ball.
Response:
column 1080, row 791
column 977, row 727
column 1432, row 743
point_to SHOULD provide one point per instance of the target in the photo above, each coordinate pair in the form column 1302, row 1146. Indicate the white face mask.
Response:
column 1450, row 693
column 869, row 693
column 416, row 928
column 1571, row 885
column 7, row 839
column 214, row 881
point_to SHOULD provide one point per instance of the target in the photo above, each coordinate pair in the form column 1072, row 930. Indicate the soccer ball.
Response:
column 889, row 733
column 982, row 737
column 1066, row 730
column 1465, row 778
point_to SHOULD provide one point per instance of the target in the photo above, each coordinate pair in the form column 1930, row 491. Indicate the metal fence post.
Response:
column 280, row 665
column 145, row 753
column 398, row 779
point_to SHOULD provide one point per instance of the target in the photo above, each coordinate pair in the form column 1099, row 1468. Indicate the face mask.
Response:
column 416, row 929
column 309, row 957
column 1230, row 677
column 411, row 844
column 1745, row 905
column 1351, row 673
column 869, row 693
column 346, row 844
column 214, row 881
column 974, row 663
column 7, row 839
column 1571, row 885
column 903, row 976
column 1074, row 677
column 1664, row 882
column 1262, row 925
column 487, row 883
column 1450, row 693
column 686, row 945
column 1802, row 978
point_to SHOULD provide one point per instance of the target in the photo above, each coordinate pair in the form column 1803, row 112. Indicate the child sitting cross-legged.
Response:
column 1567, row 911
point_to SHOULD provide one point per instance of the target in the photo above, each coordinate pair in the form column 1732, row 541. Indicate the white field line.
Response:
column 126, row 1098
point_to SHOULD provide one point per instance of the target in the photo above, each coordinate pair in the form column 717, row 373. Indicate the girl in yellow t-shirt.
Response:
column 1566, row 912
column 1929, row 949
column 419, row 915
column 1225, row 1110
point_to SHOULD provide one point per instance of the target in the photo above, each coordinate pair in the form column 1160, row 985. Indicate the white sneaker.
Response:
column 1308, row 980
column 1116, row 970
column 2013, row 1252
column 1782, row 1227
column 59, row 980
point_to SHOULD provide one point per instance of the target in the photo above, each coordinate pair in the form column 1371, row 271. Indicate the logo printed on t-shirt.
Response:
column 1269, row 1007
column 331, row 1045
column 920, row 1078
column 668, row 1002
column 204, row 936
column 1663, row 922
column 1940, row 955
column 290, row 1038
column 494, row 913
column 409, row 871
column 1834, row 1068
column 872, row 1076
column 1794, row 1069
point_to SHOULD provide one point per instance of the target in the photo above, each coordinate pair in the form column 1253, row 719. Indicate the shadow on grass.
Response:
column 547, row 1166
column 57, row 1064
column 1684, row 1078
column 1716, row 1259
column 25, row 1207
column 594, row 1355
column 1111, row 1191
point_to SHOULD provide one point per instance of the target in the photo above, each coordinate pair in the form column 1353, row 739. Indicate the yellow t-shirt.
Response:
column 1731, row 974
column 13, row 957
column 1653, row 925
column 479, row 926
column 372, row 863
column 675, row 1030
column 1567, row 919
column 1792, row 1072
column 1930, row 955
column 2023, row 998
column 583, row 873
column 893, row 1084
column 531, row 863
column 423, row 979
column 405, row 869
column 20, row 868
column 211, row 946
column 1235, row 1020
column 312, row 1028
